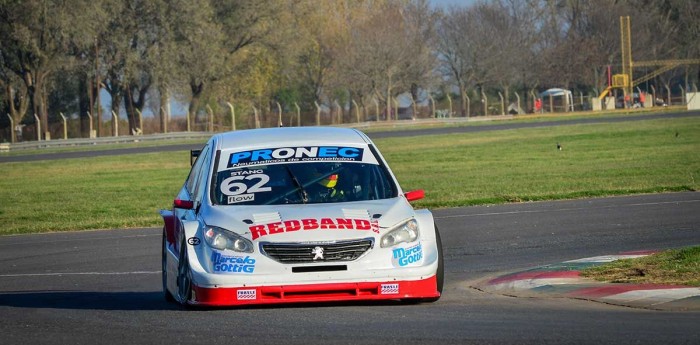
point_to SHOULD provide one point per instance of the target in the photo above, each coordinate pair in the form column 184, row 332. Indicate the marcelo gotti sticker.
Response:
column 402, row 257
column 232, row 264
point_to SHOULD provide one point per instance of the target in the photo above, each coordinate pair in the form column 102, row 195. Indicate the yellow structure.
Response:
column 625, row 80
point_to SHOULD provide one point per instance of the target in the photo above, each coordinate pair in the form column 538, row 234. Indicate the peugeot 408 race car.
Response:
column 285, row 215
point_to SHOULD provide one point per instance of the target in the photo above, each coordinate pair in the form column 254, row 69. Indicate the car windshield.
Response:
column 302, row 183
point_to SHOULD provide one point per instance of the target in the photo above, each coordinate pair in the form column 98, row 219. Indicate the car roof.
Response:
column 290, row 136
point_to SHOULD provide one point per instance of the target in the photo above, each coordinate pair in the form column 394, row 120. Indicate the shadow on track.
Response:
column 86, row 300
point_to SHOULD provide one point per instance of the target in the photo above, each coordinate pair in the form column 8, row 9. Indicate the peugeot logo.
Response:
column 318, row 253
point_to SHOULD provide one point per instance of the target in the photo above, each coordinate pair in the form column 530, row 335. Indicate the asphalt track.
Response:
column 501, row 125
column 104, row 286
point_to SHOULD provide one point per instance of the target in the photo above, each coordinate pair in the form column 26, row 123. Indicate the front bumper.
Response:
column 331, row 292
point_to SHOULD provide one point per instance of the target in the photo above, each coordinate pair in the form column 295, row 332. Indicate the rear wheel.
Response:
column 166, row 294
column 184, row 276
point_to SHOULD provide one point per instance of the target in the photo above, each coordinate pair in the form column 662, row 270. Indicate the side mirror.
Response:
column 415, row 195
column 183, row 204
column 193, row 156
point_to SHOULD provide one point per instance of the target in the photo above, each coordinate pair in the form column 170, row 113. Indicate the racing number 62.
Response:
column 229, row 186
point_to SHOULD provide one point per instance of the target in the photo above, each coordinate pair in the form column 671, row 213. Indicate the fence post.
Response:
column 38, row 128
column 318, row 114
column 65, row 127
column 298, row 114
column 357, row 111
column 413, row 106
column 187, row 115
column 233, row 116
column 519, row 108
column 449, row 102
column 257, row 120
column 502, row 103
column 653, row 95
column 376, row 109
column 210, row 121
column 279, row 114
column 115, row 126
column 13, row 135
column 485, row 100
column 90, row 119
column 140, row 129
column 339, row 112
column 469, row 101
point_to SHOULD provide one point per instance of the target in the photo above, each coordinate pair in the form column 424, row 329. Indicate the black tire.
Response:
column 184, row 276
column 166, row 294
column 440, row 274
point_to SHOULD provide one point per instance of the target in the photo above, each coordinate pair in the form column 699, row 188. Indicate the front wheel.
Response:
column 440, row 274
column 184, row 276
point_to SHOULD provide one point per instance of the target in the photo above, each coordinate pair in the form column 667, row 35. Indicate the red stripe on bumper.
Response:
column 425, row 288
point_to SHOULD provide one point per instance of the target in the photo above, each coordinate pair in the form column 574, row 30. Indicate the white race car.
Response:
column 285, row 215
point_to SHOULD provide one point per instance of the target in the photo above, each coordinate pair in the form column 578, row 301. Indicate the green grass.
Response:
column 524, row 165
column 674, row 267
column 455, row 170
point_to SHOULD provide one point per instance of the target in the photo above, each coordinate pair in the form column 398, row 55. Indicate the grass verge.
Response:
column 673, row 267
column 455, row 170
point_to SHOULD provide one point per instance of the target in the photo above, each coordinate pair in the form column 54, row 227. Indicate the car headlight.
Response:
column 223, row 239
column 406, row 232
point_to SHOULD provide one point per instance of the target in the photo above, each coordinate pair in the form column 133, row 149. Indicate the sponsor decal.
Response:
column 234, row 199
column 389, row 289
column 194, row 241
column 295, row 154
column 406, row 256
column 247, row 294
column 261, row 230
column 232, row 264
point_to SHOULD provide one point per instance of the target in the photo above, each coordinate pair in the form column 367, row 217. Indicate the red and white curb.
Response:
column 564, row 280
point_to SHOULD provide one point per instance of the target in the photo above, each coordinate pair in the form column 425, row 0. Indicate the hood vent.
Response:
column 264, row 218
column 355, row 213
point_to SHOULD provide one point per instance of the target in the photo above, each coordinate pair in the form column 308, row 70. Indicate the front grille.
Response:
column 294, row 253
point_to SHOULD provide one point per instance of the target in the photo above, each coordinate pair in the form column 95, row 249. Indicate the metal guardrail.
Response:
column 57, row 143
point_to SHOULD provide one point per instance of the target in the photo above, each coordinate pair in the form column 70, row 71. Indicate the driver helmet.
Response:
column 330, row 181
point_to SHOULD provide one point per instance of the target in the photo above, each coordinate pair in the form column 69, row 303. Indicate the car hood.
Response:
column 311, row 222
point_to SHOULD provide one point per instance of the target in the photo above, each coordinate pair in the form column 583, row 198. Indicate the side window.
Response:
column 192, row 179
column 201, row 178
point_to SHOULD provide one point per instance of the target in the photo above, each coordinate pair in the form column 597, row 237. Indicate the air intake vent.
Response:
column 294, row 253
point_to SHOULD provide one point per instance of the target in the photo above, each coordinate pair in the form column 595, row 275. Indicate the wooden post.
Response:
column 298, row 114
column 65, row 126
column 38, row 128
column 318, row 114
column 13, row 135
column 115, row 126
column 233, row 116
